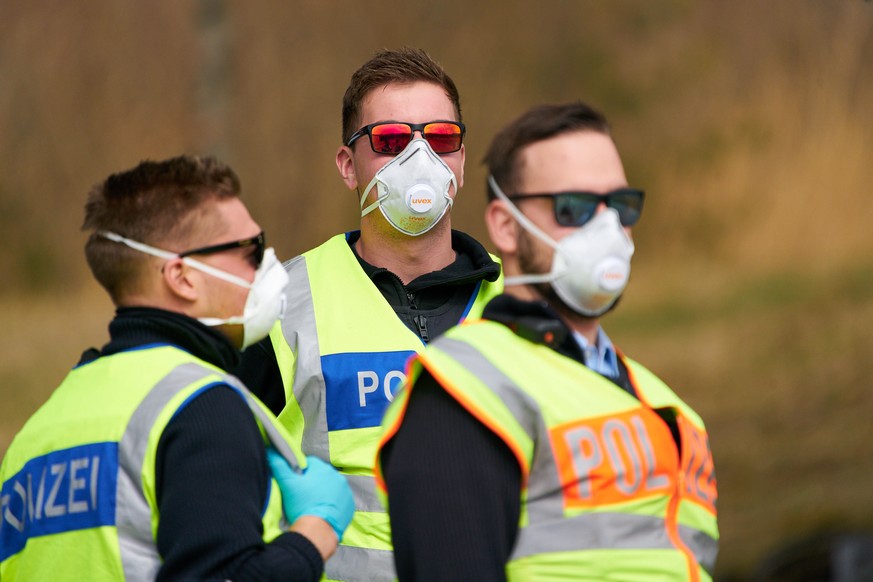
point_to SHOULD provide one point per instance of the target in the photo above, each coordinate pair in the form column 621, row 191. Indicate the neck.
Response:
column 408, row 257
column 585, row 326
column 582, row 324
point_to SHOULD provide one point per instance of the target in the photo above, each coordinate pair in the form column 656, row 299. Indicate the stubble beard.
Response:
column 533, row 260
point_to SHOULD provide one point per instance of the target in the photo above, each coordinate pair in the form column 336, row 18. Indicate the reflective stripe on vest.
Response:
column 607, row 478
column 111, row 500
column 133, row 516
column 353, row 564
column 342, row 353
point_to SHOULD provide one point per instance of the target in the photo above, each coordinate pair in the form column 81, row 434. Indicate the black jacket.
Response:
column 211, row 469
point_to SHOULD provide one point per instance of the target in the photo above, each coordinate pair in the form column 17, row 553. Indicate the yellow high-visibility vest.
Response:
column 78, row 481
column 607, row 493
column 342, row 353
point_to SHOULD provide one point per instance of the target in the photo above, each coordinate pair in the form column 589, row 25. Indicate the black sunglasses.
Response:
column 391, row 137
column 255, row 258
column 577, row 208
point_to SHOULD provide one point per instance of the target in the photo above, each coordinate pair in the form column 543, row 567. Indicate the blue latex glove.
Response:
column 319, row 490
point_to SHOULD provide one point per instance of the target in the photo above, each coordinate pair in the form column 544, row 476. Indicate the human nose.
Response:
column 601, row 206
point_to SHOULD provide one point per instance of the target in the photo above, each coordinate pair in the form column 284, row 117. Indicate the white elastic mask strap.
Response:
column 162, row 254
column 141, row 247
column 216, row 321
column 217, row 272
column 529, row 226
column 376, row 203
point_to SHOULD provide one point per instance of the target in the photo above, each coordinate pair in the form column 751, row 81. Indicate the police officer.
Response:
column 527, row 446
column 150, row 461
column 363, row 302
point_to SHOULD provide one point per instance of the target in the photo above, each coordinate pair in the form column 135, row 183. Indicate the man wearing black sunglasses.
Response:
column 150, row 461
column 365, row 301
column 527, row 446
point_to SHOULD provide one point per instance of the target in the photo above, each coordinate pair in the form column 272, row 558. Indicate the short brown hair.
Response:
column 157, row 203
column 536, row 124
column 404, row 65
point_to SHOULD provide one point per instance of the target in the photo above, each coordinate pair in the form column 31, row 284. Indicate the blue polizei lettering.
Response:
column 62, row 491
column 360, row 386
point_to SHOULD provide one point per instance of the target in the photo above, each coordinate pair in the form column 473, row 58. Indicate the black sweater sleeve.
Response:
column 454, row 491
column 211, row 482
column 259, row 371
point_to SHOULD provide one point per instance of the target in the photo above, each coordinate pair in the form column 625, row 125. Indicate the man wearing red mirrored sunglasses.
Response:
column 361, row 304
column 526, row 446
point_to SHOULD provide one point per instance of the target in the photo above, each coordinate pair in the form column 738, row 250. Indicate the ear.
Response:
column 178, row 280
column 345, row 163
column 502, row 228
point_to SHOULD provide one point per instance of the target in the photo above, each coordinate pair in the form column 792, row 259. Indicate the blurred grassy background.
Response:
column 748, row 123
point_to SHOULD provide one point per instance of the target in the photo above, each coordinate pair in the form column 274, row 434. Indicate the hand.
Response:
column 319, row 491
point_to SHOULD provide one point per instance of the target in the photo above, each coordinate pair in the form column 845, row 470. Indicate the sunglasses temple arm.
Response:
column 162, row 254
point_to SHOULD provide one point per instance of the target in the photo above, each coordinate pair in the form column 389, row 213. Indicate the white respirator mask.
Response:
column 413, row 189
column 265, row 302
column 590, row 266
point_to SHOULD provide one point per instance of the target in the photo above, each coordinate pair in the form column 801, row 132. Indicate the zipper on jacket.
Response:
column 421, row 322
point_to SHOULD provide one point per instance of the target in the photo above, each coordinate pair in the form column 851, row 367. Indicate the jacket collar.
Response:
column 135, row 327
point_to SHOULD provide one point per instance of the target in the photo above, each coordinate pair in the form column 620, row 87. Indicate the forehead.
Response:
column 579, row 160
column 416, row 102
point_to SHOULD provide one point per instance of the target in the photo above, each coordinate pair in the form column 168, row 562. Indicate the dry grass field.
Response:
column 747, row 123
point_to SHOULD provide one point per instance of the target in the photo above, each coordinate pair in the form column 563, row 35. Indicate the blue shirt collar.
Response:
column 600, row 357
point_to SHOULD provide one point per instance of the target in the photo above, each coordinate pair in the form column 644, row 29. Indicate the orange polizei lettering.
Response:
column 614, row 458
column 700, row 485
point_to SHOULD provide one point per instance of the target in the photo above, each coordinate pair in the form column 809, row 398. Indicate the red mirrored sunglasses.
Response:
column 391, row 137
